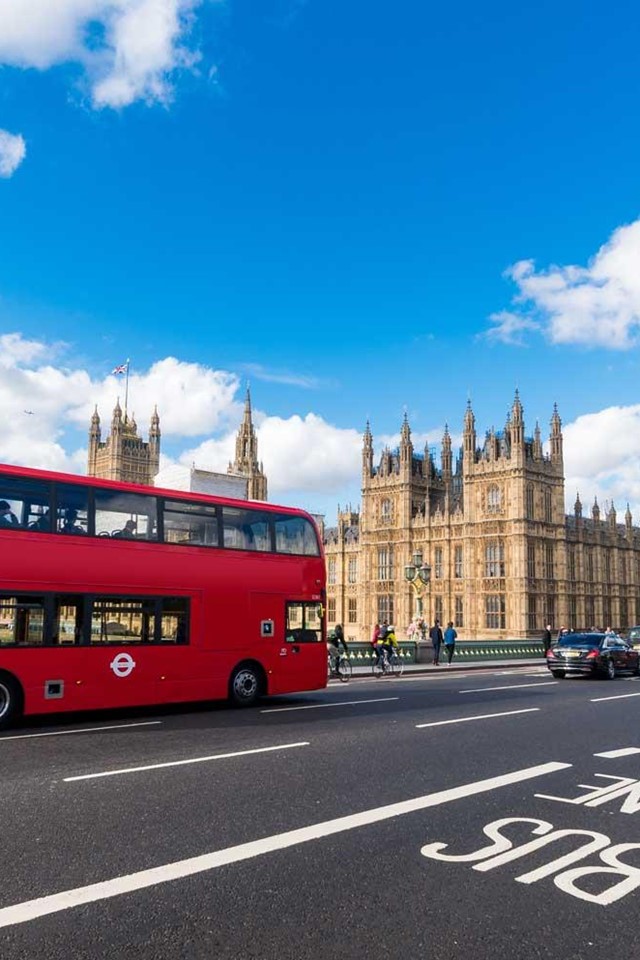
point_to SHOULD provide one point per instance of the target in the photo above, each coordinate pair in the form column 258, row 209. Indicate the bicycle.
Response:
column 385, row 665
column 339, row 667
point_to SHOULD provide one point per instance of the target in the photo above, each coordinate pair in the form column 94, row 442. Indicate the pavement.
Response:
column 427, row 668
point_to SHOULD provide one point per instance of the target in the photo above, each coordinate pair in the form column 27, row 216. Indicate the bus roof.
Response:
column 16, row 471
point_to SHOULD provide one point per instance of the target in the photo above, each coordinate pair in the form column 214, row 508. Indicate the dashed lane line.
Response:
column 482, row 716
column 65, row 733
column 623, row 752
column 620, row 696
column 183, row 763
column 319, row 706
column 117, row 886
column 514, row 686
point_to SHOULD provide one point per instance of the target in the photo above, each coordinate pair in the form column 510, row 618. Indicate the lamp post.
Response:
column 418, row 574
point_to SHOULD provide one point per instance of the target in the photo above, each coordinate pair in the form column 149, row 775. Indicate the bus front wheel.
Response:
column 10, row 699
column 245, row 688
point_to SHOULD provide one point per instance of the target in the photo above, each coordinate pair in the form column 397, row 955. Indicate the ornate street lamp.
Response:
column 418, row 574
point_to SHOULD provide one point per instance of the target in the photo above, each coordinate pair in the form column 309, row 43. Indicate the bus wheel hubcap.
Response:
column 246, row 684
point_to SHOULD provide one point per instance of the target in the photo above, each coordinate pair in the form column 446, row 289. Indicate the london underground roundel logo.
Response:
column 122, row 665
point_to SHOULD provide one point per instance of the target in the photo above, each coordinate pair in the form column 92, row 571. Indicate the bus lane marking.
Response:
column 319, row 706
column 623, row 752
column 620, row 696
column 67, row 899
column 182, row 763
column 615, row 879
column 516, row 686
column 64, row 733
column 482, row 716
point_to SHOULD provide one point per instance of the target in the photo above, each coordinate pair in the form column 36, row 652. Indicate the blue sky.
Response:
column 323, row 198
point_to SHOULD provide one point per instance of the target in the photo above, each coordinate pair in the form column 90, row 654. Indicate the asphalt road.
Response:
column 363, row 821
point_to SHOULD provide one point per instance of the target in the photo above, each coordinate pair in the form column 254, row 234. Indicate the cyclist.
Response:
column 336, row 644
column 378, row 639
column 390, row 643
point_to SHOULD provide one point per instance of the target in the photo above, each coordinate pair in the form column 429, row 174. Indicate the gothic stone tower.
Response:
column 124, row 455
column 246, row 462
column 505, row 559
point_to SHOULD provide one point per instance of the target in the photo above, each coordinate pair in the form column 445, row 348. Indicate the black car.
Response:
column 594, row 654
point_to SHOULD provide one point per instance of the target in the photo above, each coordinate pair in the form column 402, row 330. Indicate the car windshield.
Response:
column 581, row 639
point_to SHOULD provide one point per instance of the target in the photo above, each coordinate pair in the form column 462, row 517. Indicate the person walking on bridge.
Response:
column 450, row 635
column 436, row 641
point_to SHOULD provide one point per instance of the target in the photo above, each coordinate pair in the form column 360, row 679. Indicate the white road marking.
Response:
column 318, row 706
column 483, row 716
column 31, row 909
column 64, row 733
column 624, row 752
column 512, row 686
column 182, row 763
column 620, row 696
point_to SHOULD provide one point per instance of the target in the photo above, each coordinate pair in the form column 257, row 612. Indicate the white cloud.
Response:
column 301, row 455
column 13, row 150
column 127, row 49
column 602, row 458
column 596, row 305
column 47, row 407
column 510, row 328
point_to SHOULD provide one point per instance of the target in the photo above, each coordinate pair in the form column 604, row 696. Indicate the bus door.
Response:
column 303, row 659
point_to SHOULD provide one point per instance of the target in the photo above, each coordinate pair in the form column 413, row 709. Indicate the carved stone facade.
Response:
column 124, row 455
column 505, row 559
column 246, row 462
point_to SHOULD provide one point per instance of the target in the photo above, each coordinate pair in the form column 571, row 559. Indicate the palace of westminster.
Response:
column 490, row 524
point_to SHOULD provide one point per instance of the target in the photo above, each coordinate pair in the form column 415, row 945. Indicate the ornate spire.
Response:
column 405, row 431
column 469, row 419
column 537, row 443
column 406, row 447
column 628, row 519
column 556, row 436
column 246, row 462
column 516, row 410
column 517, row 424
column 577, row 507
column 595, row 510
column 447, row 460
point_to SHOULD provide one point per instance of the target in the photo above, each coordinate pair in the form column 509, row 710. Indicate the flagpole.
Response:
column 126, row 391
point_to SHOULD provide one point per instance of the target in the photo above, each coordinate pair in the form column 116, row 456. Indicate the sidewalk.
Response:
column 420, row 668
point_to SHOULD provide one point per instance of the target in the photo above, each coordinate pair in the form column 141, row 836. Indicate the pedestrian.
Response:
column 546, row 638
column 450, row 641
column 562, row 631
column 436, row 641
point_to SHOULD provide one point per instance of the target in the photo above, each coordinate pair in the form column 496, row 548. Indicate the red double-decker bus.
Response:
column 118, row 595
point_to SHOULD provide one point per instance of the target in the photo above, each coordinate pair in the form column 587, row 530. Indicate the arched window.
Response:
column 548, row 516
column 494, row 499
column 386, row 511
column 494, row 559
column 528, row 502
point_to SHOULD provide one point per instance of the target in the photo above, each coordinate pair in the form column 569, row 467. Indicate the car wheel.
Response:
column 558, row 674
column 637, row 669
column 611, row 670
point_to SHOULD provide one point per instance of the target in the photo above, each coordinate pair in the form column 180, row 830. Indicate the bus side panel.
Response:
column 52, row 679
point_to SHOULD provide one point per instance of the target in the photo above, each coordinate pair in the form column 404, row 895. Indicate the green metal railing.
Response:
column 468, row 651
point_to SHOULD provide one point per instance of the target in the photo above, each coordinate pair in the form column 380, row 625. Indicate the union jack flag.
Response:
column 122, row 368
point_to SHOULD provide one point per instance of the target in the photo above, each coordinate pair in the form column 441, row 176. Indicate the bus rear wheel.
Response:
column 245, row 688
column 10, row 699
